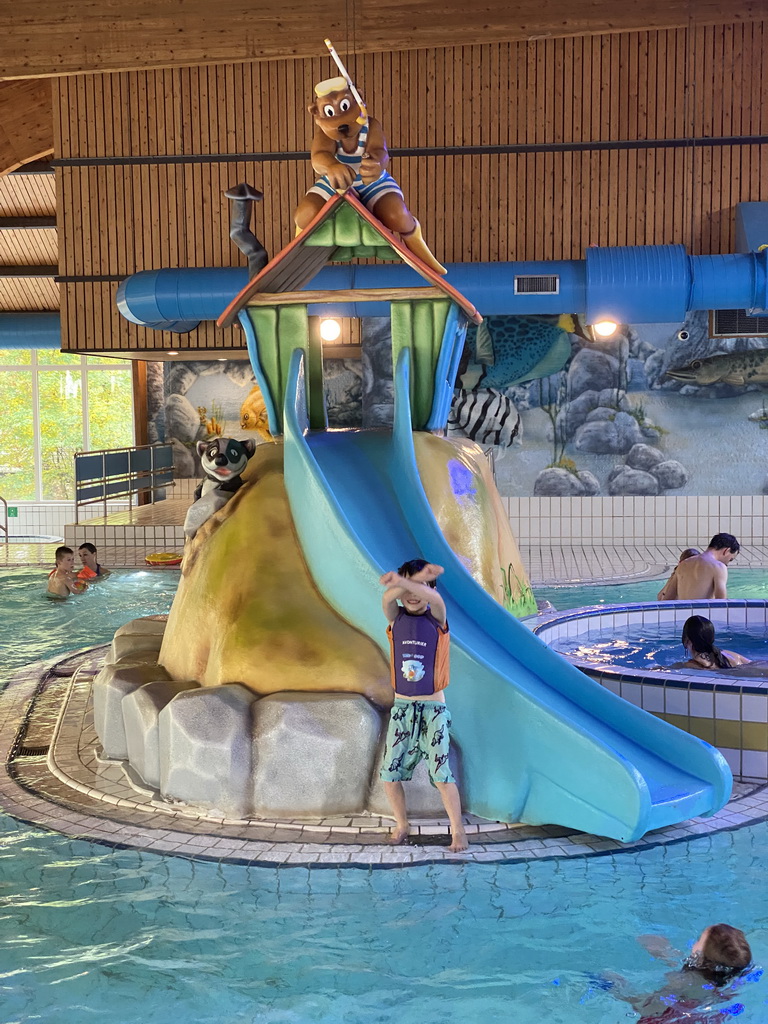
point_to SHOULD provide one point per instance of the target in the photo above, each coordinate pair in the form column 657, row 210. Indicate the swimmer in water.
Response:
column 666, row 590
column 91, row 568
column 697, row 989
column 699, row 641
column 62, row 581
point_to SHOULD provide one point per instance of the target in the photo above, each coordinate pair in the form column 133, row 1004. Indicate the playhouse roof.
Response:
column 302, row 259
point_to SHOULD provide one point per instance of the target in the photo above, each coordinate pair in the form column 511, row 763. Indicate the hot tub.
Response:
column 726, row 708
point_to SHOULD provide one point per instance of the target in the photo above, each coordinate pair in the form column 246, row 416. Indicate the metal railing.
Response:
column 120, row 473
column 4, row 522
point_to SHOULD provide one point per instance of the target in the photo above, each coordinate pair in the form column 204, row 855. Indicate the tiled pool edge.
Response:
column 20, row 798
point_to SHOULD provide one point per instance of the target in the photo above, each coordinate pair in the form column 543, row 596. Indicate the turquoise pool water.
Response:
column 33, row 626
column 742, row 583
column 646, row 646
column 87, row 933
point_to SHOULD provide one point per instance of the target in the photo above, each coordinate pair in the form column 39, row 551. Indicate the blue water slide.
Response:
column 540, row 741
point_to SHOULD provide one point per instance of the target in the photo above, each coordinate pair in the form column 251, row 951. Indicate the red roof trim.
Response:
column 254, row 286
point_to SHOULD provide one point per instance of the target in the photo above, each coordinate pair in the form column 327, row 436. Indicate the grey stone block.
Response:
column 313, row 753
column 205, row 748
column 422, row 799
column 134, row 645
column 109, row 688
column 141, row 711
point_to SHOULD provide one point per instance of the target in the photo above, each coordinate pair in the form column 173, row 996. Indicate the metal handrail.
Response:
column 4, row 523
column 141, row 481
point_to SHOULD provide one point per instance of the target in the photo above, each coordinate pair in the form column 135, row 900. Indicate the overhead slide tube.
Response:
column 628, row 284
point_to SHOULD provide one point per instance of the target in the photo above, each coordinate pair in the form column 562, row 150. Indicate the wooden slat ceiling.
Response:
column 54, row 37
column 28, row 195
column 28, row 294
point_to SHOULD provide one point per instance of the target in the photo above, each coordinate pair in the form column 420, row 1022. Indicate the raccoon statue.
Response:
column 223, row 460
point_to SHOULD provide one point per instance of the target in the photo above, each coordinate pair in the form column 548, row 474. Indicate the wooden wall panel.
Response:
column 531, row 150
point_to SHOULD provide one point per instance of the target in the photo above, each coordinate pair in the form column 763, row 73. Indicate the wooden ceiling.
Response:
column 55, row 37
column 23, row 196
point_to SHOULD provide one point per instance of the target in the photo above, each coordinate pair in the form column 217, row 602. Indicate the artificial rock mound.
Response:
column 226, row 751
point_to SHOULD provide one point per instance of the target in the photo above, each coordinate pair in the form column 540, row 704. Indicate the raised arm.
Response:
column 397, row 586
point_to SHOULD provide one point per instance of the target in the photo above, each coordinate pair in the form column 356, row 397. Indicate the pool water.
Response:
column 649, row 646
column 87, row 933
column 33, row 626
column 742, row 584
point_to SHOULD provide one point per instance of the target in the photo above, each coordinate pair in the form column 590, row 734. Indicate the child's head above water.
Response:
column 720, row 953
column 688, row 553
column 65, row 557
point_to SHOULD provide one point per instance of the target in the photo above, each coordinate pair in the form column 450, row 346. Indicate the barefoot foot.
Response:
column 398, row 836
column 459, row 842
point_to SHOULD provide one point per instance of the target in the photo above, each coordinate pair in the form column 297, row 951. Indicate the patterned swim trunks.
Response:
column 418, row 729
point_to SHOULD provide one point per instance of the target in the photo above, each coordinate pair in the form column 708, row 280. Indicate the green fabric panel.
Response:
column 384, row 252
column 364, row 251
column 422, row 311
column 323, row 235
column 346, row 226
column 264, row 320
column 293, row 332
column 402, row 332
column 341, row 256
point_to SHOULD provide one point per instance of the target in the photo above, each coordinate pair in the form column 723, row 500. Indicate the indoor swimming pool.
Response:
column 742, row 584
column 90, row 933
column 34, row 627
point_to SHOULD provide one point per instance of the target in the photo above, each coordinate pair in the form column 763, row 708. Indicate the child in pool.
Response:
column 699, row 641
column 61, row 580
column 688, row 553
column 694, row 989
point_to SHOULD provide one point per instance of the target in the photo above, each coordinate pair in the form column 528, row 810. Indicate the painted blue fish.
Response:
column 516, row 349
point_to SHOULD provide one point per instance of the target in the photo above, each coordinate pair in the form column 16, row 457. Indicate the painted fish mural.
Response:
column 516, row 349
column 736, row 368
column 484, row 416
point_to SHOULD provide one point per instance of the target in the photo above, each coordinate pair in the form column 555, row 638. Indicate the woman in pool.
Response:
column 699, row 641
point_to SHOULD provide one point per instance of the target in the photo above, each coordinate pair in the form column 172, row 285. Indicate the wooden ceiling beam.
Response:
column 22, row 270
column 61, row 37
column 23, row 223
column 26, row 122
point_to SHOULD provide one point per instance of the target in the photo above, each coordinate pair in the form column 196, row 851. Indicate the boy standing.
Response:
column 62, row 582
column 419, row 720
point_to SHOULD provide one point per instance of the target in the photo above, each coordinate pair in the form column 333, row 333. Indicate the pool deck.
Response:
column 53, row 777
column 548, row 565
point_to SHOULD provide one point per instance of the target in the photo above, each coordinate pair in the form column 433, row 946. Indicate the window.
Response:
column 53, row 404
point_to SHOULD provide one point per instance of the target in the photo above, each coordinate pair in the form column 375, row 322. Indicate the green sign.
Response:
column 13, row 512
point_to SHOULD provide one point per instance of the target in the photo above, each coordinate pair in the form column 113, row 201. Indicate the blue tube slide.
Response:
column 540, row 741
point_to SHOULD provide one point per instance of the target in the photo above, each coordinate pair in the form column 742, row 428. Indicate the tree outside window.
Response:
column 55, row 404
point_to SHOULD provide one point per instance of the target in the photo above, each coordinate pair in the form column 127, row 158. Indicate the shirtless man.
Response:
column 705, row 575
column 62, row 581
